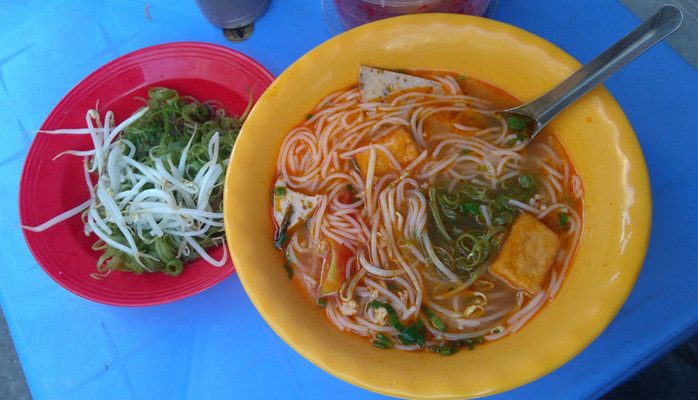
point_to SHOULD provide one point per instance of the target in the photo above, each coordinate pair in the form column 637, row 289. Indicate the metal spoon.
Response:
column 665, row 21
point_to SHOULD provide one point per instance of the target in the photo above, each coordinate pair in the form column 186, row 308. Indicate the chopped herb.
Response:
column 443, row 350
column 460, row 78
column 308, row 116
column 496, row 330
column 527, row 181
column 471, row 208
column 517, row 124
column 351, row 189
column 434, row 319
column 289, row 269
column 393, row 287
column 322, row 302
column 382, row 341
column 280, row 241
column 465, row 152
column 569, row 200
column 408, row 335
column 279, row 191
column 413, row 334
column 564, row 221
column 281, row 235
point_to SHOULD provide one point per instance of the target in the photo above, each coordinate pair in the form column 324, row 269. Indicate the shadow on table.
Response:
column 673, row 377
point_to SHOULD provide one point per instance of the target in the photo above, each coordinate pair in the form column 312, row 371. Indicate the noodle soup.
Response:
column 423, row 220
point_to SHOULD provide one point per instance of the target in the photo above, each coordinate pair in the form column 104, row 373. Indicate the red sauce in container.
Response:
column 353, row 13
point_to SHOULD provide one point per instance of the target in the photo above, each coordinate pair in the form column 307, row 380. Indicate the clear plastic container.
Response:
column 352, row 13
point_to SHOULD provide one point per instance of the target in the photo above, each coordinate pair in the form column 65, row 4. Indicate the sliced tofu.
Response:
column 527, row 255
column 302, row 205
column 398, row 142
column 379, row 84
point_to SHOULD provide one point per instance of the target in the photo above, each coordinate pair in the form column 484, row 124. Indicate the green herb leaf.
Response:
column 382, row 341
column 527, row 181
column 471, row 208
column 564, row 220
column 434, row 319
column 289, row 269
column 281, row 236
column 517, row 124
column 393, row 287
column 408, row 335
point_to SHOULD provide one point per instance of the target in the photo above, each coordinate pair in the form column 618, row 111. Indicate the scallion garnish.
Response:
column 279, row 191
column 563, row 219
column 281, row 235
column 517, row 124
column 434, row 319
column 289, row 269
column 407, row 335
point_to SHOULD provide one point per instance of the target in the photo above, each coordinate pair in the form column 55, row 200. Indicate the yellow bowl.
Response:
column 595, row 132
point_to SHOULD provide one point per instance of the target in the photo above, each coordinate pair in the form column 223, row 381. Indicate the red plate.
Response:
column 49, row 187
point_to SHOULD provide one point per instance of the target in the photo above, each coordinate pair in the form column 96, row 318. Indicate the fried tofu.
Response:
column 399, row 143
column 527, row 255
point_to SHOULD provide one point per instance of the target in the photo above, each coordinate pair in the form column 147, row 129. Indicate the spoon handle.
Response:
column 665, row 21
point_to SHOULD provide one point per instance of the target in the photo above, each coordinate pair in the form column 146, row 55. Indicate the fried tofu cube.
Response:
column 399, row 143
column 527, row 255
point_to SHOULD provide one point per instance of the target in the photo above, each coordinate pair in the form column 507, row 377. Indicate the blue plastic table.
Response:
column 214, row 344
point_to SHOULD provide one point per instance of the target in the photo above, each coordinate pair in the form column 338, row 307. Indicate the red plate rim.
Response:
column 49, row 187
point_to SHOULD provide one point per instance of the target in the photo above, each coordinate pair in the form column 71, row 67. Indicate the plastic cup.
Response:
column 232, row 13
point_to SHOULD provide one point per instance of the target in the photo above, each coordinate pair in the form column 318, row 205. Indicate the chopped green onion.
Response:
column 407, row 335
column 465, row 152
column 281, row 235
column 382, row 341
column 393, row 287
column 434, row 319
column 279, row 191
column 443, row 350
column 564, row 220
column 279, row 243
column 471, row 208
column 322, row 302
column 308, row 116
column 289, row 269
column 527, row 181
column 517, row 124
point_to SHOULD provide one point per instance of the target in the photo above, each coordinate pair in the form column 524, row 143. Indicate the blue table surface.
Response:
column 215, row 344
